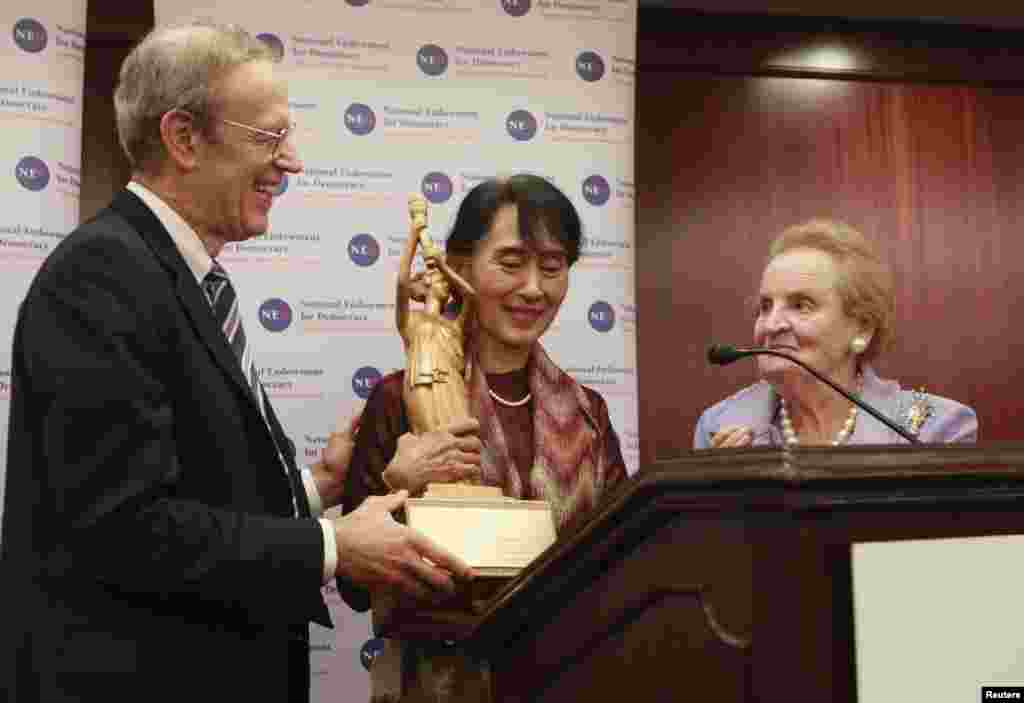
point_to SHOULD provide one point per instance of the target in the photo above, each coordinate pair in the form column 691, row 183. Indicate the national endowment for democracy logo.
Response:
column 40, row 100
column 585, row 126
column 601, row 316
column 494, row 61
column 623, row 70
column 275, row 315
column 589, row 66
column 344, row 52
column 437, row 187
column 357, row 314
column 363, row 250
column 521, row 125
column 615, row 192
column 363, row 381
column 607, row 251
column 596, row 190
column 294, row 250
column 432, row 59
column 360, row 119
column 26, row 245
column 30, row 35
column 294, row 382
column 611, row 11
column 359, row 185
column 32, row 173
column 612, row 377
column 433, row 123
column 515, row 8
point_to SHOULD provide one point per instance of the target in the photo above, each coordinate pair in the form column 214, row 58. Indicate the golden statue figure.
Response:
column 435, row 386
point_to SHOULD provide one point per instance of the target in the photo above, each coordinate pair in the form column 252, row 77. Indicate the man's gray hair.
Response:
column 176, row 67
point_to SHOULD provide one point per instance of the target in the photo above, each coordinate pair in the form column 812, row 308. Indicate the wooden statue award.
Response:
column 494, row 534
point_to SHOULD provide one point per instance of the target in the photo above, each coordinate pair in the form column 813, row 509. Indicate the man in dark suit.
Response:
column 159, row 541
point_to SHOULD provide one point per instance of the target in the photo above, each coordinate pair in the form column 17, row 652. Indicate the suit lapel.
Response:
column 197, row 308
column 189, row 294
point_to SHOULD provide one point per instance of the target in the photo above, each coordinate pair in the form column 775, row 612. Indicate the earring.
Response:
column 858, row 345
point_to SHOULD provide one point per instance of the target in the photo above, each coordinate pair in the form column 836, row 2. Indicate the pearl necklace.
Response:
column 789, row 434
column 510, row 403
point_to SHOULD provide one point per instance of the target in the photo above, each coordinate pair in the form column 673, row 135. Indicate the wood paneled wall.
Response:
column 912, row 133
column 112, row 28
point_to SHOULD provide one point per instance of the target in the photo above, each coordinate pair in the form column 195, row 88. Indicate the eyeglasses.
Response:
column 275, row 139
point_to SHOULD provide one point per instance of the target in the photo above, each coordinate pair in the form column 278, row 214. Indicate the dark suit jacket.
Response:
column 149, row 548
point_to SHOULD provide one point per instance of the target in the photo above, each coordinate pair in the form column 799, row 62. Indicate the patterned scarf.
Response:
column 570, row 465
column 569, row 471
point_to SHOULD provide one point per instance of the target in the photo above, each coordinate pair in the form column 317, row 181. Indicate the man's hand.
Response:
column 377, row 552
column 329, row 473
column 443, row 456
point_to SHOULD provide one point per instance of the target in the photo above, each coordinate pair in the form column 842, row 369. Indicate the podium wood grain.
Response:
column 725, row 575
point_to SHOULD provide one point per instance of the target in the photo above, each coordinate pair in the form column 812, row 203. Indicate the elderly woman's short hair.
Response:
column 865, row 284
column 176, row 67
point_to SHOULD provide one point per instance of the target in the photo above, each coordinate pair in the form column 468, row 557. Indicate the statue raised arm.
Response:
column 435, row 388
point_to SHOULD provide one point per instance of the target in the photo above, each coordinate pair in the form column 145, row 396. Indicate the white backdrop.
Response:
column 395, row 96
column 42, row 65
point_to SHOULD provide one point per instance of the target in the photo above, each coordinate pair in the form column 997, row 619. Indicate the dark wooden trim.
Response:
column 676, row 40
column 744, row 482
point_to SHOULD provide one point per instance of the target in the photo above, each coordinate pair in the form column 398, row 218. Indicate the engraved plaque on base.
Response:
column 495, row 535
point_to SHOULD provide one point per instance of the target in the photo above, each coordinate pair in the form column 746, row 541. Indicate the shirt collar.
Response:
column 188, row 243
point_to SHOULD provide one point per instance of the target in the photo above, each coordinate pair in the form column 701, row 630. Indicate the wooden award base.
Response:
column 495, row 535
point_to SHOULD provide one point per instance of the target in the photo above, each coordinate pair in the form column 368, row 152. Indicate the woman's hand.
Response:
column 443, row 456
column 731, row 437
column 329, row 473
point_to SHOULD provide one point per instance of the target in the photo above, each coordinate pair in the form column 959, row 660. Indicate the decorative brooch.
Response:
column 919, row 410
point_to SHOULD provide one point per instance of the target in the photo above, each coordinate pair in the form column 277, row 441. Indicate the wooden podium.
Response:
column 725, row 575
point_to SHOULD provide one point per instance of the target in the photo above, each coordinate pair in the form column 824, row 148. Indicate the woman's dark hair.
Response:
column 541, row 206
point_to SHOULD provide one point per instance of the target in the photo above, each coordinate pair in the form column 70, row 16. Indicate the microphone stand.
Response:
column 727, row 355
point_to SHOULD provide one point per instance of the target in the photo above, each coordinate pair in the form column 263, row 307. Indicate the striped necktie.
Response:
column 224, row 302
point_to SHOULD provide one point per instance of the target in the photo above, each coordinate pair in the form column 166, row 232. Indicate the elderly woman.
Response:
column 543, row 435
column 826, row 298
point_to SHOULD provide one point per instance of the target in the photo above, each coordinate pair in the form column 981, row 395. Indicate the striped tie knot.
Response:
column 224, row 303
column 215, row 283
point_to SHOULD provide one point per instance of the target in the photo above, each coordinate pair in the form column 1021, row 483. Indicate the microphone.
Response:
column 722, row 354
